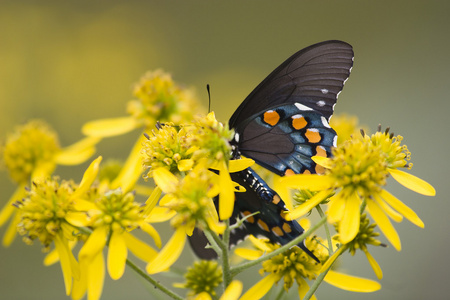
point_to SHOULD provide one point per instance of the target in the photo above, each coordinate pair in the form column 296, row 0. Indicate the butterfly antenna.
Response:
column 209, row 98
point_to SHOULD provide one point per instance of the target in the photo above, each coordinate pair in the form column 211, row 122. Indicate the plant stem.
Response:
column 327, row 230
column 155, row 283
column 238, row 269
column 225, row 259
column 316, row 284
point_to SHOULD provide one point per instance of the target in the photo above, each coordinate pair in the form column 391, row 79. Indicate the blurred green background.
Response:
column 71, row 62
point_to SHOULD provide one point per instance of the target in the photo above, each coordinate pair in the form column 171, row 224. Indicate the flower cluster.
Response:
column 90, row 226
column 354, row 183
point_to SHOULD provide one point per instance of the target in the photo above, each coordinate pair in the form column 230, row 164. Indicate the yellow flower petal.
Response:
column 385, row 225
column 388, row 209
column 303, row 288
column 259, row 243
column 43, row 170
column 140, row 249
column 167, row 199
column 402, row 208
column 117, row 255
column 283, row 192
column 11, row 231
column 332, row 259
column 249, row 254
column 151, row 231
column 132, row 169
column 260, row 288
column 8, row 209
column 77, row 153
column 95, row 243
column 240, row 164
column 375, row 266
column 169, row 254
column 88, row 178
column 203, row 296
column 226, row 196
column 312, row 182
column 143, row 190
column 110, row 127
column 166, row 181
column 68, row 263
column 323, row 161
column 349, row 225
column 303, row 209
column 185, row 165
column 215, row 226
column 233, row 291
column 351, row 283
column 336, row 208
column 78, row 219
column 160, row 214
column 413, row 183
column 152, row 200
column 52, row 257
column 96, row 277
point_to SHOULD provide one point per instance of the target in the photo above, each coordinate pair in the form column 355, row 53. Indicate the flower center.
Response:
column 29, row 147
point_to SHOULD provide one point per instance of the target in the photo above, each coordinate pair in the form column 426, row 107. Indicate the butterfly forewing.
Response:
column 313, row 76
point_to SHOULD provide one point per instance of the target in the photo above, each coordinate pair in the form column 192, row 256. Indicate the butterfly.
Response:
column 281, row 125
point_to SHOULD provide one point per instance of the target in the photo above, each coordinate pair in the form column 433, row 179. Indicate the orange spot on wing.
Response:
column 320, row 151
column 271, row 117
column 249, row 219
column 289, row 172
column 263, row 225
column 277, row 230
column 276, row 199
column 287, row 228
column 299, row 122
column 320, row 169
column 313, row 136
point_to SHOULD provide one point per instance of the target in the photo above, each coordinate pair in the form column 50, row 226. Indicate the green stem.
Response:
column 155, row 283
column 280, row 294
column 327, row 230
column 226, row 269
column 238, row 269
column 214, row 241
column 316, row 284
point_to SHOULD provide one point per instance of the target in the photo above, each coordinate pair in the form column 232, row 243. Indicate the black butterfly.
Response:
column 281, row 125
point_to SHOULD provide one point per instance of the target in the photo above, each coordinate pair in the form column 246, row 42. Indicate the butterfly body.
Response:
column 281, row 125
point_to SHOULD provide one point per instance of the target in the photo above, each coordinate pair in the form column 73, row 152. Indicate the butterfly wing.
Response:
column 284, row 138
column 284, row 121
column 313, row 76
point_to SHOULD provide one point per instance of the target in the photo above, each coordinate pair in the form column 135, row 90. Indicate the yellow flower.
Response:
column 212, row 140
column 296, row 265
column 111, row 215
column 46, row 213
column 357, row 174
column 203, row 276
column 168, row 148
column 191, row 198
column 30, row 153
column 159, row 98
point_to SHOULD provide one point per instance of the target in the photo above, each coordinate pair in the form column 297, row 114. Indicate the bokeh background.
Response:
column 70, row 62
